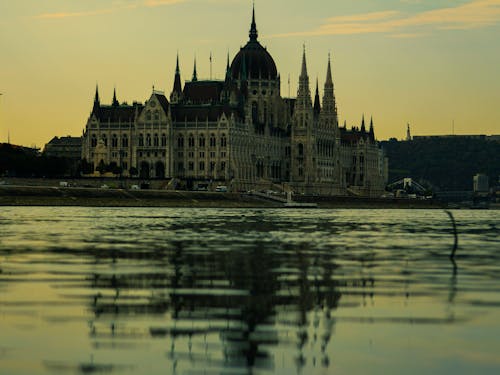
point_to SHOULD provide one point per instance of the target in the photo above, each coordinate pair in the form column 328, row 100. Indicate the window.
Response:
column 255, row 113
column 148, row 115
column 212, row 166
column 223, row 166
column 124, row 140
column 301, row 149
column 191, row 141
column 157, row 115
column 212, row 154
column 180, row 141
column 148, row 140
column 114, row 140
column 163, row 140
column 223, row 141
column 105, row 139
column 190, row 154
column 93, row 141
column 180, row 167
column 141, row 140
column 223, row 154
column 202, row 154
column 201, row 140
column 212, row 140
column 124, row 165
column 191, row 166
column 202, row 166
column 156, row 140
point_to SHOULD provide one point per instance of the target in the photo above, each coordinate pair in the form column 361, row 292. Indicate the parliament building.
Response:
column 238, row 132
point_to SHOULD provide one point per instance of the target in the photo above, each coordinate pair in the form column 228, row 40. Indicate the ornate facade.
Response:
column 238, row 132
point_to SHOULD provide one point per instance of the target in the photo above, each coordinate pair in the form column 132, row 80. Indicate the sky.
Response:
column 434, row 64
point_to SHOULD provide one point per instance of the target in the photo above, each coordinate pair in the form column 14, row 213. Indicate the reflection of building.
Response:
column 240, row 131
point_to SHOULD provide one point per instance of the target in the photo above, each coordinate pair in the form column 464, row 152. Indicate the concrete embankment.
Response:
column 11, row 195
column 61, row 196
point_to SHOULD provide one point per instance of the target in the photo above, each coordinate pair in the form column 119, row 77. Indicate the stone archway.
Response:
column 159, row 170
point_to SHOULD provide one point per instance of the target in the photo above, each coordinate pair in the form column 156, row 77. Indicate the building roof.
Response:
column 117, row 113
column 203, row 92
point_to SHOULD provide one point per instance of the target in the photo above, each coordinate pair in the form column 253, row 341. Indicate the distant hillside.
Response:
column 444, row 163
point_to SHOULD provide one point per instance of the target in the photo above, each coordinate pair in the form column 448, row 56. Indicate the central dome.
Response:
column 253, row 60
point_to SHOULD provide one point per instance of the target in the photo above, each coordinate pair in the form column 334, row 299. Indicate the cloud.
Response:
column 117, row 6
column 471, row 15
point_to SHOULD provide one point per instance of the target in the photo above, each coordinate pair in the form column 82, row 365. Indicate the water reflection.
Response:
column 241, row 291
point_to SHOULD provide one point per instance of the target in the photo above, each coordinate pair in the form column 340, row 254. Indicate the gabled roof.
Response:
column 163, row 101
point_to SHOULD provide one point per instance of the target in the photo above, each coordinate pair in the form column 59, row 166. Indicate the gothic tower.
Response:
column 303, row 143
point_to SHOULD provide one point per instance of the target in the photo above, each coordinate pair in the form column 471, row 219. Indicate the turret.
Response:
column 195, row 74
column 177, row 89
column 317, row 105
column 115, row 101
column 97, row 103
column 304, row 93
column 372, row 131
column 329, row 106
column 363, row 127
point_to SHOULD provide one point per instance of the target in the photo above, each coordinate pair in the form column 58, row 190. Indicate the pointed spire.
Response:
column 96, row 97
column 253, row 27
column 317, row 105
column 329, row 80
column 304, row 93
column 115, row 101
column 303, row 72
column 97, row 102
column 177, row 79
column 228, row 69
column 363, row 127
column 195, row 75
column 372, row 131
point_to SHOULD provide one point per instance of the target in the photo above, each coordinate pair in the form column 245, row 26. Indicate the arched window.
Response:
column 114, row 140
column 156, row 140
column 223, row 141
column 141, row 140
column 148, row 115
column 163, row 139
column 213, row 141
column 93, row 141
column 148, row 140
column 124, row 140
column 157, row 115
column 105, row 139
column 201, row 140
column 191, row 141
column 300, row 149
column 180, row 141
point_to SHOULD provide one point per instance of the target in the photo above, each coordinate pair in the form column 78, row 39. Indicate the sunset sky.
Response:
column 426, row 62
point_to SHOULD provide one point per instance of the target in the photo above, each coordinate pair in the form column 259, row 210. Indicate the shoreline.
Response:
column 12, row 195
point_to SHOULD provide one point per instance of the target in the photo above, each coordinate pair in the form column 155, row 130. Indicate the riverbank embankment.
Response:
column 14, row 195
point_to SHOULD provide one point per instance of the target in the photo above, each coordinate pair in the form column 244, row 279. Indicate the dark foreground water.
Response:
column 230, row 291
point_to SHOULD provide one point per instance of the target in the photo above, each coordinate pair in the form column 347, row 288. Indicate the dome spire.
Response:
column 177, row 78
column 253, row 27
column 115, row 101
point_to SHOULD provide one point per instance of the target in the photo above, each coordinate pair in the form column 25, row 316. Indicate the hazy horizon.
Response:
column 430, row 64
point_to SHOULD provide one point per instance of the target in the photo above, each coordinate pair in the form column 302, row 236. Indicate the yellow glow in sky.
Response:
column 429, row 63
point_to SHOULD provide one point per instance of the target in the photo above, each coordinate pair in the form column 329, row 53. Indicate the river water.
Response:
column 248, row 291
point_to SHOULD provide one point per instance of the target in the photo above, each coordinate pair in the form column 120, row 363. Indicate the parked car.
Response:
column 221, row 189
